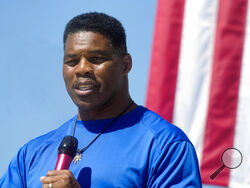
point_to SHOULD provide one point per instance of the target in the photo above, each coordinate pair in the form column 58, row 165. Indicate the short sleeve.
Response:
column 175, row 166
column 15, row 174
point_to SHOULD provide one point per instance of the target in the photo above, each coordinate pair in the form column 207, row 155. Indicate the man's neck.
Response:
column 107, row 110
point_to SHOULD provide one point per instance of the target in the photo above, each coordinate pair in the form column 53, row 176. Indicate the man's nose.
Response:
column 84, row 66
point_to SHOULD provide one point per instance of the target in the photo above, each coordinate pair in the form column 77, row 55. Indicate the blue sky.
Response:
column 33, row 96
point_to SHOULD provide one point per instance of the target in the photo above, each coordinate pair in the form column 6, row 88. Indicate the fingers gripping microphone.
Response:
column 66, row 152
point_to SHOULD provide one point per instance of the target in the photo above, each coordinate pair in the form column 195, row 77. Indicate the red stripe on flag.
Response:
column 165, row 57
column 223, row 98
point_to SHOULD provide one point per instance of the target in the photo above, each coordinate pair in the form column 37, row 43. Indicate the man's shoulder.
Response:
column 50, row 137
column 161, row 129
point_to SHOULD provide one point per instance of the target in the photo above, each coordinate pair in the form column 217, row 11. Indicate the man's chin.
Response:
column 85, row 105
column 83, row 101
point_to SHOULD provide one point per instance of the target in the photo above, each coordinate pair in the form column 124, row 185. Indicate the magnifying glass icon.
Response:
column 231, row 158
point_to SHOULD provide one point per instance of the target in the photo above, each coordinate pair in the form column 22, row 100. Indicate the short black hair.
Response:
column 102, row 23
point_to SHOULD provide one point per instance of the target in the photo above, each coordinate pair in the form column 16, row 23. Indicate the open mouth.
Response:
column 85, row 88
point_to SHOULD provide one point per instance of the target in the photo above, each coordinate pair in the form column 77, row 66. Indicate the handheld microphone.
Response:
column 66, row 152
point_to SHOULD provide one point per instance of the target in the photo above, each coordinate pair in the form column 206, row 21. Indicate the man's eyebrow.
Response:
column 93, row 52
column 101, row 52
column 71, row 55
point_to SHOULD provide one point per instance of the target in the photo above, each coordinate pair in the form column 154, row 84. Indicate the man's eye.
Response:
column 71, row 62
column 97, row 60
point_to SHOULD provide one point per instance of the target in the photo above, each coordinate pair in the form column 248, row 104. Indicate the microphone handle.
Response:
column 63, row 162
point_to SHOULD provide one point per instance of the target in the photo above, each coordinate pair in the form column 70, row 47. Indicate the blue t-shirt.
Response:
column 139, row 150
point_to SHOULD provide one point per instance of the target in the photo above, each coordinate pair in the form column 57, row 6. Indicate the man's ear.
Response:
column 127, row 63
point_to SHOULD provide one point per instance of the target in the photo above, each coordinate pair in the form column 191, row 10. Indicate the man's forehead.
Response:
column 81, row 43
column 88, row 38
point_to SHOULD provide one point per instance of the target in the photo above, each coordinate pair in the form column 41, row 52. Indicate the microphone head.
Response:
column 68, row 146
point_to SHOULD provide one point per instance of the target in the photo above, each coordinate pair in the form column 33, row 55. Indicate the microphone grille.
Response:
column 68, row 146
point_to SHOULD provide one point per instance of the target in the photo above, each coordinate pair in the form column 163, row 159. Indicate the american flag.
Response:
column 200, row 79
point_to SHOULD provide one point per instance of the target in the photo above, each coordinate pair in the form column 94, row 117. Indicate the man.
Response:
column 121, row 144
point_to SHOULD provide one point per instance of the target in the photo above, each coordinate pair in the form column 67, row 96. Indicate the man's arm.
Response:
column 175, row 166
column 15, row 175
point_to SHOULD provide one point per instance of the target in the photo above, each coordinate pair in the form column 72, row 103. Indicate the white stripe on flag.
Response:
column 240, row 177
column 194, row 72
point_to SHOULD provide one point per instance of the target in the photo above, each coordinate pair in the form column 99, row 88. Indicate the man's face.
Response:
column 93, row 74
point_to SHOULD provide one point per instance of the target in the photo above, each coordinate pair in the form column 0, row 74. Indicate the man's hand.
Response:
column 59, row 178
